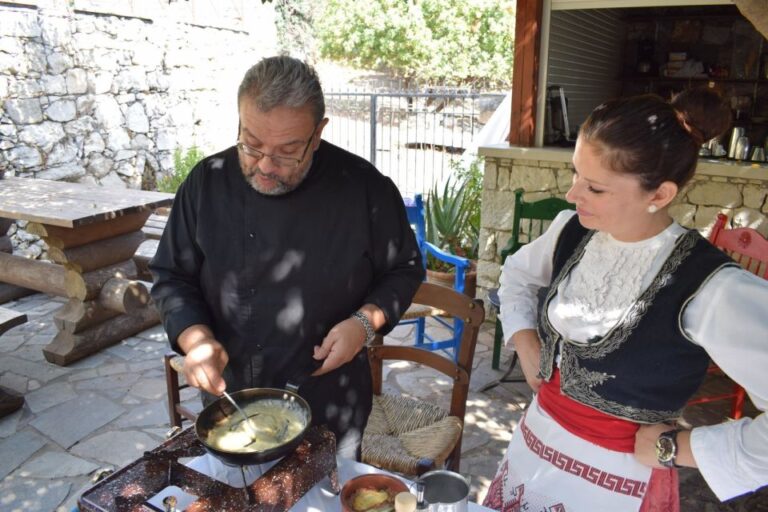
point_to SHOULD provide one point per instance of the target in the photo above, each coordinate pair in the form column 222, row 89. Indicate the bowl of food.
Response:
column 371, row 493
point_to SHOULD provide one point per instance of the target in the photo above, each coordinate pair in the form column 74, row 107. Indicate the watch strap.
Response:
column 370, row 333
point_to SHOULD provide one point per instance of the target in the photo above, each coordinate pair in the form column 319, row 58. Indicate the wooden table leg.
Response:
column 95, row 270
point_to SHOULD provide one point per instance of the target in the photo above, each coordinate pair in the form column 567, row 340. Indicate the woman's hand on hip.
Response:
column 645, row 445
column 528, row 348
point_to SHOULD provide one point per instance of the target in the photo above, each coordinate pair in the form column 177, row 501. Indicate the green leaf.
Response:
column 183, row 162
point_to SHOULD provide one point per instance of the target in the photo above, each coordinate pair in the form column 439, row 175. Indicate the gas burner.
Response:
column 146, row 484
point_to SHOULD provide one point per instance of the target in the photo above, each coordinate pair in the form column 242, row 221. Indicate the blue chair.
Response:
column 417, row 314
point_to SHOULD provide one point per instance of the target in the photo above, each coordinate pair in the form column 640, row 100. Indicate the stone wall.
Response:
column 95, row 97
column 739, row 191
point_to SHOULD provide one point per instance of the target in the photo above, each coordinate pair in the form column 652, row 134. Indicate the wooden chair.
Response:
column 530, row 221
column 750, row 250
column 411, row 436
column 174, row 365
column 406, row 435
column 418, row 313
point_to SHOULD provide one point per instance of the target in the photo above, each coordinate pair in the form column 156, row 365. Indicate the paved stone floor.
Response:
column 106, row 410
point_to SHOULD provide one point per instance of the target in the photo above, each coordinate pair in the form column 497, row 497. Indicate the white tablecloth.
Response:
column 318, row 499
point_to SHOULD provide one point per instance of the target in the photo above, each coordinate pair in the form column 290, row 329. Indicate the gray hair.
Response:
column 283, row 81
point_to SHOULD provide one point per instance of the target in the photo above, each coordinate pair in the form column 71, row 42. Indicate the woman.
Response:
column 615, row 312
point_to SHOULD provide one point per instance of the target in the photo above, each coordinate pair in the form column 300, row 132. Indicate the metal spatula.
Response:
column 248, row 424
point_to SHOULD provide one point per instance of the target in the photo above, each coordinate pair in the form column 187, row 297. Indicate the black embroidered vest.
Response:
column 644, row 369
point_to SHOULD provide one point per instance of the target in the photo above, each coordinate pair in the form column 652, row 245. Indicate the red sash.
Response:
column 585, row 422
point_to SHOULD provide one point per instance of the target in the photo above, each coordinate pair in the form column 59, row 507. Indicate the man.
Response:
column 285, row 252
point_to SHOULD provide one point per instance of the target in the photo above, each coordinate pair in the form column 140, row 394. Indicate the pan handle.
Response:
column 302, row 376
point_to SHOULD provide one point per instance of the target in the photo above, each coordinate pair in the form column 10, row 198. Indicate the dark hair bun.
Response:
column 704, row 112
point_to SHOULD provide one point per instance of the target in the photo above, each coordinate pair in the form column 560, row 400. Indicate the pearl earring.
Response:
column 652, row 208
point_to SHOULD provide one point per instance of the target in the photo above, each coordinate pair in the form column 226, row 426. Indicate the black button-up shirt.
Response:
column 272, row 274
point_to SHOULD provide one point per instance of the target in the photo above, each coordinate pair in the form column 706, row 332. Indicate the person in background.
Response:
column 284, row 252
column 615, row 313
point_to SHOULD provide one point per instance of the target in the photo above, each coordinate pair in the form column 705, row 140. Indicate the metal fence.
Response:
column 412, row 137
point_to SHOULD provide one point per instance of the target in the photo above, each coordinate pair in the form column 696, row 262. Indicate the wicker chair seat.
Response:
column 402, row 431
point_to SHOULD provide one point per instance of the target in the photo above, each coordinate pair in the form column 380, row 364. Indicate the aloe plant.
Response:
column 453, row 217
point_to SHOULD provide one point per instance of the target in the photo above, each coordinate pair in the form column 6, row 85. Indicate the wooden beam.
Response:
column 67, row 348
column 99, row 254
column 34, row 274
column 525, row 73
column 76, row 315
column 88, row 286
column 124, row 295
column 64, row 238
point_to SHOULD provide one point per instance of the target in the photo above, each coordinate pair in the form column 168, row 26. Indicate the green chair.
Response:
column 530, row 221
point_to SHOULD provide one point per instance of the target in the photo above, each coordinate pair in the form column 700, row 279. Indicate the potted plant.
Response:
column 453, row 223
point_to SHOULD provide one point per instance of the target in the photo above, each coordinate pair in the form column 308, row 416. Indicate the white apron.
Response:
column 548, row 469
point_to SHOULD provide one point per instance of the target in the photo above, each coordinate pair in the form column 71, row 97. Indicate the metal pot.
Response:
column 442, row 491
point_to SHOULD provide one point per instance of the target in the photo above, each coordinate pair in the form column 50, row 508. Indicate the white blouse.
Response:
column 728, row 318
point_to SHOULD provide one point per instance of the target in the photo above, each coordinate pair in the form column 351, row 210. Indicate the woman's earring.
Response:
column 652, row 208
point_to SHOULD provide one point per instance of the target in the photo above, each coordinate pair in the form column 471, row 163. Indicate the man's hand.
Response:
column 340, row 346
column 528, row 348
column 205, row 359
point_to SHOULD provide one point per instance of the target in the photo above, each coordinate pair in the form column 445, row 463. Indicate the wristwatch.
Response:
column 666, row 448
column 369, row 332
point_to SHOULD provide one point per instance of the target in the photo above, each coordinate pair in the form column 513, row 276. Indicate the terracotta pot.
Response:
column 447, row 278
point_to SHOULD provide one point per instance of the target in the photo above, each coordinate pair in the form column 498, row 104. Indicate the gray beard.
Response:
column 280, row 188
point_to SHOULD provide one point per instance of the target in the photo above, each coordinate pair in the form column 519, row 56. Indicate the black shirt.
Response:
column 272, row 274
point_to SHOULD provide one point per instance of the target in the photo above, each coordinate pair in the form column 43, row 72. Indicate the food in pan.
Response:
column 274, row 424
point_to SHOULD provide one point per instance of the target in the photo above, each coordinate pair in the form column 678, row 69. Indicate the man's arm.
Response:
column 178, row 295
column 176, row 266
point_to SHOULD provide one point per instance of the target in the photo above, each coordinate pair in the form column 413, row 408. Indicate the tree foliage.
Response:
column 446, row 41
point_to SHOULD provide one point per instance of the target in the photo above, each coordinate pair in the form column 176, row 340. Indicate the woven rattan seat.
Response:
column 411, row 436
column 402, row 432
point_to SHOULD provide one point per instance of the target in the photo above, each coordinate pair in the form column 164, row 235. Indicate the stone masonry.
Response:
column 105, row 98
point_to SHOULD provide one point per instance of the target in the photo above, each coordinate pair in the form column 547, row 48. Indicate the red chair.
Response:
column 750, row 250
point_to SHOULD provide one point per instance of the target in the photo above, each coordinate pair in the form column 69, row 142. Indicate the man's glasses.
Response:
column 283, row 162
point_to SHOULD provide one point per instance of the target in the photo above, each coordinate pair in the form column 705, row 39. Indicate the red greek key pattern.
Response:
column 575, row 467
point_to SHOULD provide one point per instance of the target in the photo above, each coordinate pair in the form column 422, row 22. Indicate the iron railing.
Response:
column 412, row 137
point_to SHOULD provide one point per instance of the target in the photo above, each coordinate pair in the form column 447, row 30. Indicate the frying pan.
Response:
column 222, row 409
